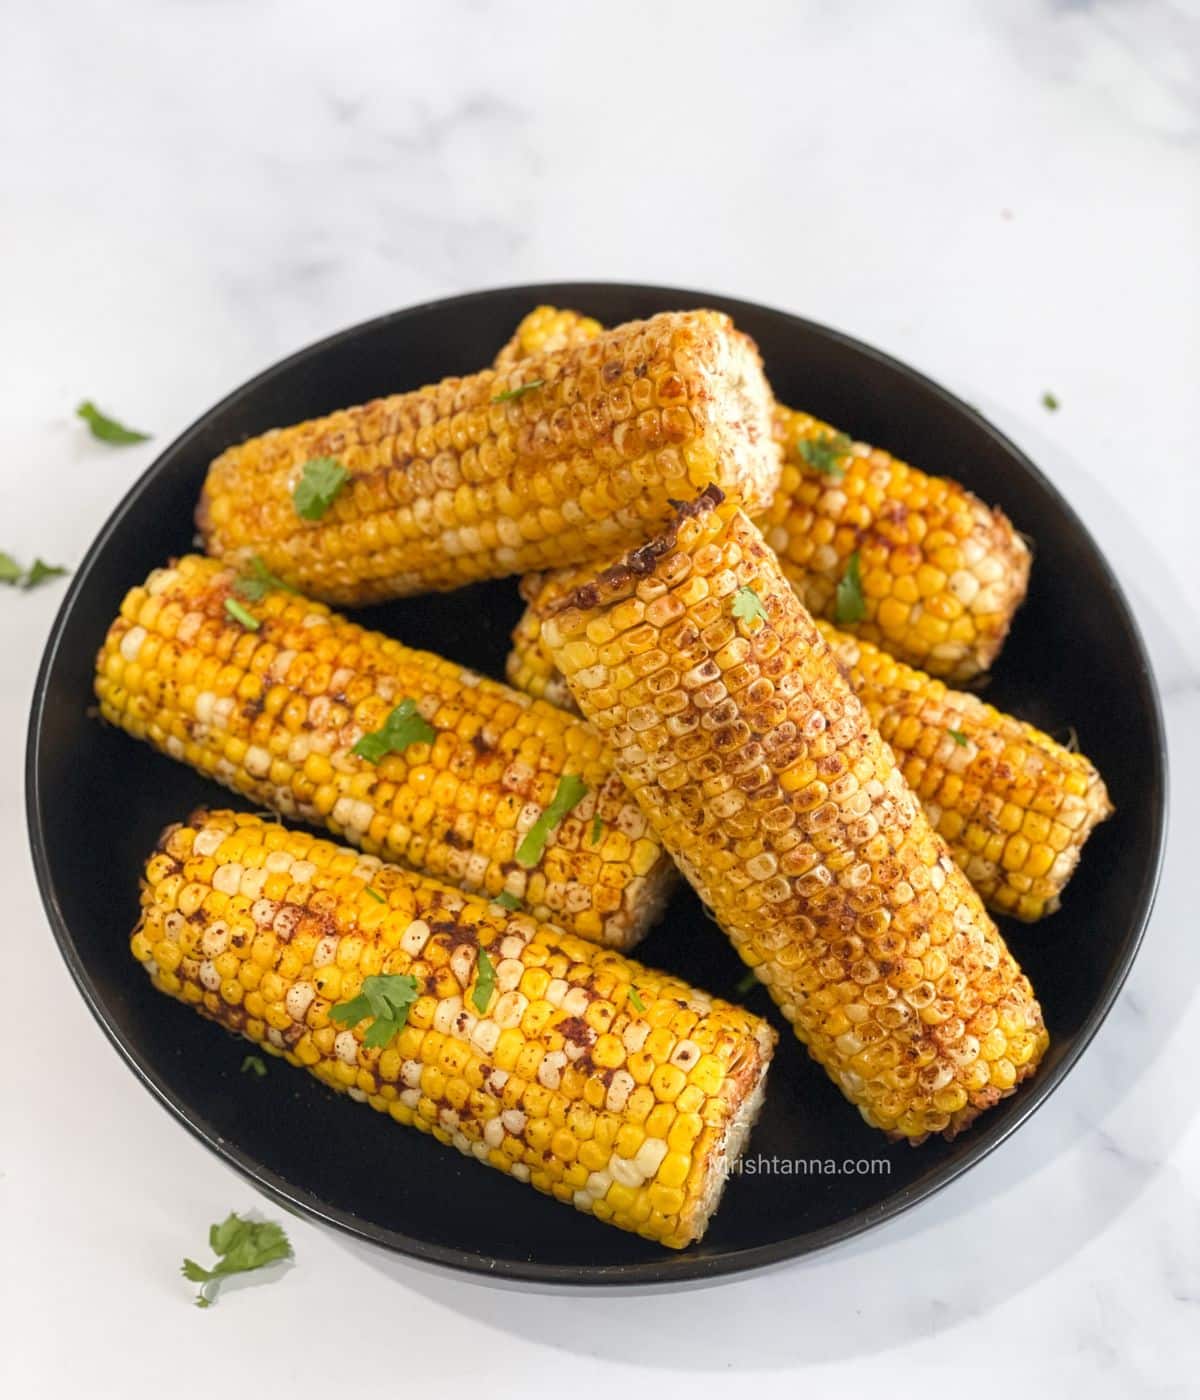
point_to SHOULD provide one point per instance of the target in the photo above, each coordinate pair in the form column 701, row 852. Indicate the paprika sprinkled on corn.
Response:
column 1014, row 806
column 281, row 715
column 556, row 459
column 942, row 573
column 630, row 1104
column 760, row 770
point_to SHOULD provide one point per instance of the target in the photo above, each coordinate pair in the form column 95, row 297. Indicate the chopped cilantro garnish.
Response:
column 405, row 725
column 239, row 614
column 571, row 790
column 1050, row 401
column 253, row 586
column 319, row 484
column 518, row 392
column 38, row 572
column 958, row 736
column 485, row 983
column 635, row 1000
column 823, row 454
column 748, row 606
column 507, row 900
column 255, row 1065
column 387, row 997
column 746, row 985
column 374, row 893
column 108, row 429
column 850, row 605
column 597, row 829
column 243, row 1245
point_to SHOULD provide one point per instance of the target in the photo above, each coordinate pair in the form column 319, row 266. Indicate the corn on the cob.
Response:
column 758, row 766
column 941, row 573
column 611, row 1087
column 562, row 457
column 1014, row 806
column 274, row 712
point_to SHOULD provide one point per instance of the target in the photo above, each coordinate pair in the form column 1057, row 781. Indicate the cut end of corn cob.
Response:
column 275, row 710
column 1014, row 806
column 609, row 1086
column 756, row 764
column 942, row 573
column 561, row 457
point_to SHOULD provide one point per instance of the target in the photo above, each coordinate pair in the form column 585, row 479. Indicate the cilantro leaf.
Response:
column 518, row 392
column 388, row 997
column 374, row 893
column 351, row 1012
column 383, row 1029
column 108, row 429
column 746, row 985
column 597, row 829
column 507, row 900
column 1050, row 401
column 244, row 1245
column 958, row 736
column 239, row 614
column 485, row 982
column 570, row 792
column 258, row 582
column 850, row 604
column 635, row 998
column 405, row 725
column 255, row 1065
column 38, row 572
column 822, row 454
column 320, row 481
column 748, row 606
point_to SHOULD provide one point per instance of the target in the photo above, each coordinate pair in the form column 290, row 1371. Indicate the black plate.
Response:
column 97, row 800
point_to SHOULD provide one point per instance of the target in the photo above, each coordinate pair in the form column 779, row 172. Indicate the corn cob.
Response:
column 562, row 457
column 757, row 765
column 942, row 573
column 274, row 712
column 1014, row 806
column 611, row 1087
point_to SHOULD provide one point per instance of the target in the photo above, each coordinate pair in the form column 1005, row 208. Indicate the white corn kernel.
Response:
column 300, row 996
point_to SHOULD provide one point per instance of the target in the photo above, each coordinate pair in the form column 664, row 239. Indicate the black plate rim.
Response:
column 672, row 1268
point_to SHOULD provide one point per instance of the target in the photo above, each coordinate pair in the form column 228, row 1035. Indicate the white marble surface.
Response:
column 1006, row 196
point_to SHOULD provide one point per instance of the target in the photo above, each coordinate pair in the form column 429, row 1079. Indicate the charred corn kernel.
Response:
column 452, row 483
column 498, row 758
column 942, row 573
column 977, row 771
column 831, row 887
column 447, row 1081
